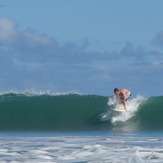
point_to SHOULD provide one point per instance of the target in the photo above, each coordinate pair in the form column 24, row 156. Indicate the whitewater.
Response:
column 80, row 147
column 71, row 127
column 120, row 118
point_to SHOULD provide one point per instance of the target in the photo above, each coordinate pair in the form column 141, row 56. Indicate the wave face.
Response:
column 150, row 115
column 49, row 112
column 73, row 112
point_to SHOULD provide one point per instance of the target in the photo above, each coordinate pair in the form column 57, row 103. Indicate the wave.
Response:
column 49, row 112
column 76, row 112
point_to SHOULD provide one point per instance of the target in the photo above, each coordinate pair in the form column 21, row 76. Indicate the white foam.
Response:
column 33, row 92
column 131, row 105
column 136, row 157
column 93, row 149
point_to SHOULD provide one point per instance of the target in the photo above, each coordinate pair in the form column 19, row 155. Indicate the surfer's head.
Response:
column 116, row 90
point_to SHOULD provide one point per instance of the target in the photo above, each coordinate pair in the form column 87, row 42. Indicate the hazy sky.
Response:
column 87, row 46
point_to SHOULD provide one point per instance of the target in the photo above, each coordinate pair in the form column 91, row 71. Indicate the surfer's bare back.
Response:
column 124, row 95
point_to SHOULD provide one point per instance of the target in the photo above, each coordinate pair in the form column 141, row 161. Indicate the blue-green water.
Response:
column 72, row 112
column 79, row 128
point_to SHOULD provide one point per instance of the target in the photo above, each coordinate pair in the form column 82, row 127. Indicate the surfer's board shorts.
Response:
column 128, row 95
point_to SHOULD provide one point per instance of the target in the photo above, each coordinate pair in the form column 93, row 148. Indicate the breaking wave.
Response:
column 76, row 112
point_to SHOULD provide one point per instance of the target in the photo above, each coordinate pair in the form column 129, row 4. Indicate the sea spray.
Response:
column 117, row 118
column 132, row 107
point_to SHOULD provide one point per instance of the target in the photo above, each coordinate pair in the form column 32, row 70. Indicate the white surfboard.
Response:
column 118, row 110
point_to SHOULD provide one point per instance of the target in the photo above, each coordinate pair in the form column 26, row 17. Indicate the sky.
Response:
column 84, row 46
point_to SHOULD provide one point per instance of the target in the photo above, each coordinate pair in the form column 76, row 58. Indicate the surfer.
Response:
column 123, row 94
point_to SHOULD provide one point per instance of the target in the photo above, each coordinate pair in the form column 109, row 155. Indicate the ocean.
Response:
column 47, row 127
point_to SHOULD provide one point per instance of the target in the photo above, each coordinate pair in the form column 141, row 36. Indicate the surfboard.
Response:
column 118, row 110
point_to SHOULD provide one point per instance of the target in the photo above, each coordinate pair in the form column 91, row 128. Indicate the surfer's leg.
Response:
column 123, row 101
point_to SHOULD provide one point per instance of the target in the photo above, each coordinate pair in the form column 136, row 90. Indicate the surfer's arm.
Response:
column 116, row 100
column 124, row 104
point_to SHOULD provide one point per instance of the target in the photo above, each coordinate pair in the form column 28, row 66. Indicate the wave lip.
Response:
column 33, row 92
